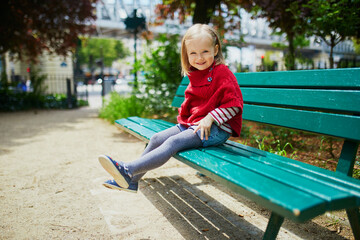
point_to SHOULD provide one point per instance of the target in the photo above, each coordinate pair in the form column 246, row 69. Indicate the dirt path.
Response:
column 50, row 188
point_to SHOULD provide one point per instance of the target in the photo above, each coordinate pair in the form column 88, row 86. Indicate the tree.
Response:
column 106, row 48
column 283, row 15
column 334, row 21
column 30, row 27
column 286, row 16
column 224, row 14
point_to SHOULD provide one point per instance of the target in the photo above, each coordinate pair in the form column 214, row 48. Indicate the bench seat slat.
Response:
column 343, row 126
column 155, row 125
column 135, row 129
column 290, row 179
column 301, row 207
column 331, row 178
column 142, row 127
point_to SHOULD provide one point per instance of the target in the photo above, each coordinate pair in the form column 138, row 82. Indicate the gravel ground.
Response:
column 51, row 188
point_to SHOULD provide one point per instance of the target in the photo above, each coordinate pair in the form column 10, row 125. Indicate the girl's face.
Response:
column 201, row 52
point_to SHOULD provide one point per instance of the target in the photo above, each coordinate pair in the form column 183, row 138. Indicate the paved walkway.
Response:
column 50, row 188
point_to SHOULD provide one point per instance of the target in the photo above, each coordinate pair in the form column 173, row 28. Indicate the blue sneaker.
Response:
column 133, row 187
column 116, row 169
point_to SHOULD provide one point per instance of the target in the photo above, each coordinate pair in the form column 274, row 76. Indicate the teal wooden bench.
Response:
column 325, row 102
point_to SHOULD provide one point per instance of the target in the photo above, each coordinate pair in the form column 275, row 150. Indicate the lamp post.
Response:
column 135, row 24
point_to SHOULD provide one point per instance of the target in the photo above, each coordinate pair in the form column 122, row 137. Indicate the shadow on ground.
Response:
column 196, row 215
column 18, row 128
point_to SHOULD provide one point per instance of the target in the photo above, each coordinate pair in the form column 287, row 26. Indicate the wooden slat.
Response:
column 334, row 179
column 302, row 206
column 181, row 90
column 327, row 78
column 135, row 129
column 177, row 101
column 333, row 100
column 323, row 79
column 153, row 124
column 342, row 126
column 265, row 167
column 141, row 127
column 150, row 124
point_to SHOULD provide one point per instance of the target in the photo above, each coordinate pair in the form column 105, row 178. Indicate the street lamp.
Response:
column 135, row 24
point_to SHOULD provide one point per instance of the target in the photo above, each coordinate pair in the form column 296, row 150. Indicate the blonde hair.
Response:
column 195, row 31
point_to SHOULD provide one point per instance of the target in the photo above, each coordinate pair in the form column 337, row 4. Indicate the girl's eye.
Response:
column 206, row 51
column 192, row 53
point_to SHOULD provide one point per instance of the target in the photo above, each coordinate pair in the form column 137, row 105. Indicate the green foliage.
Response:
column 326, row 145
column 225, row 15
column 110, row 49
column 161, row 68
column 334, row 18
column 122, row 107
column 16, row 101
column 357, row 45
column 275, row 147
column 356, row 173
column 333, row 21
column 282, row 134
column 30, row 27
column 284, row 17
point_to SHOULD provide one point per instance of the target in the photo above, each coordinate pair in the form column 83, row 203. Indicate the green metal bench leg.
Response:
column 273, row 226
column 354, row 219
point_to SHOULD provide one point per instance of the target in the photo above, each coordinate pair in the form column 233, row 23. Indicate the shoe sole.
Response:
column 108, row 165
column 118, row 188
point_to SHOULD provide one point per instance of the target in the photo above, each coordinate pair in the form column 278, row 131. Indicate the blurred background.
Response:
column 81, row 52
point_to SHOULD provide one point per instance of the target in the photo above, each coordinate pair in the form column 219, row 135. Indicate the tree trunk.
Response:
column 204, row 10
column 331, row 57
column 3, row 77
column 290, row 59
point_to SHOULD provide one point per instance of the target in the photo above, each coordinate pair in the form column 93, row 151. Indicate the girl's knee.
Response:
column 155, row 139
column 175, row 141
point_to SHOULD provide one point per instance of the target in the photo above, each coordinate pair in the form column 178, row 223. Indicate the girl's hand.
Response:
column 204, row 125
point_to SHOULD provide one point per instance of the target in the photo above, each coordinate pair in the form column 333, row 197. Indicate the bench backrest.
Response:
column 320, row 101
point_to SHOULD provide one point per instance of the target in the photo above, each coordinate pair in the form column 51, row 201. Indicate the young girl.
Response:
column 210, row 114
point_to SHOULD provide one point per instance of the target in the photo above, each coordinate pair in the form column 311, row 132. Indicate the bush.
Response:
column 160, row 66
column 122, row 107
column 15, row 101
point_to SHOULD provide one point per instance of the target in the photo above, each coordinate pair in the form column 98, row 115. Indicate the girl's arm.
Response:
column 222, row 115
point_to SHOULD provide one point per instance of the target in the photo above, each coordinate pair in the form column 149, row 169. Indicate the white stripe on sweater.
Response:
column 222, row 115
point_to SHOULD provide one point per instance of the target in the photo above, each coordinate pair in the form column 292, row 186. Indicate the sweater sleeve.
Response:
column 222, row 115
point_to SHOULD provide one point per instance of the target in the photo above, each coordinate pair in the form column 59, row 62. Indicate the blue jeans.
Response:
column 217, row 135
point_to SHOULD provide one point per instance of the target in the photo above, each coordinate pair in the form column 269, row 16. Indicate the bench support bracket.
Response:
column 273, row 226
column 354, row 219
column 347, row 158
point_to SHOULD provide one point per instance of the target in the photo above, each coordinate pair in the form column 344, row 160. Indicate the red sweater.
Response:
column 215, row 87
